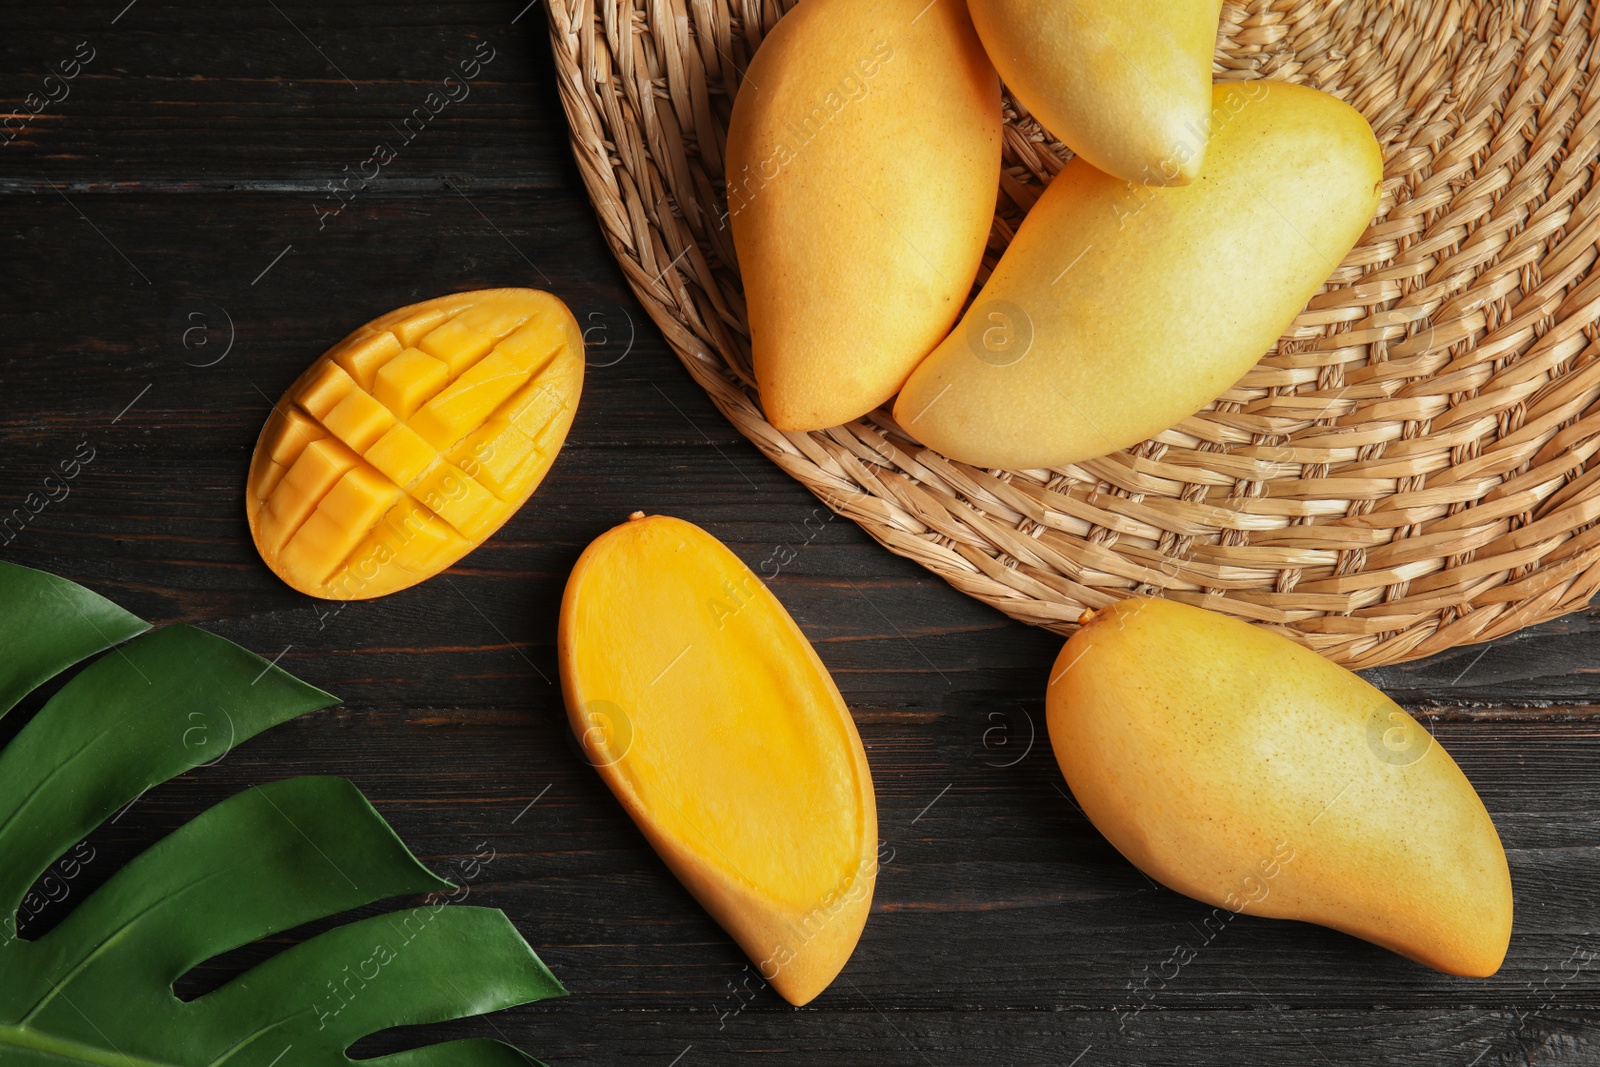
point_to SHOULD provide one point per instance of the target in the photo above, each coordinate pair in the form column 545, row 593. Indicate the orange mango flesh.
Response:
column 711, row 718
column 412, row 440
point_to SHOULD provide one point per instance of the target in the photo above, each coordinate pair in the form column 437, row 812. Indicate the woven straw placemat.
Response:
column 1406, row 472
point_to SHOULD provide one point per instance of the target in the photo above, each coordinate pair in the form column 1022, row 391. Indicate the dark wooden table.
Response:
column 173, row 258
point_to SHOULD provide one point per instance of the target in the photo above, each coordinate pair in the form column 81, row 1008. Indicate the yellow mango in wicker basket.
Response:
column 1239, row 768
column 711, row 718
column 863, row 162
column 412, row 440
column 1120, row 309
column 1125, row 84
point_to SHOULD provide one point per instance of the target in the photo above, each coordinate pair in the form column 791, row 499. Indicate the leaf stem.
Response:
column 71, row 1051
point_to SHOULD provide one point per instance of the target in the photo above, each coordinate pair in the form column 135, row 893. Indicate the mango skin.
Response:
column 1125, row 84
column 408, row 443
column 1120, row 310
column 863, row 164
column 1236, row 767
column 713, row 721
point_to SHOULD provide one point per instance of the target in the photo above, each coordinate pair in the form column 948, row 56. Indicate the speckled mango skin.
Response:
column 863, row 164
column 1126, row 84
column 1237, row 767
column 1122, row 310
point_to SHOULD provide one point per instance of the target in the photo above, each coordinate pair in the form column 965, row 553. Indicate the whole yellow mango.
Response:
column 1120, row 310
column 863, row 164
column 1126, row 84
column 711, row 718
column 1236, row 767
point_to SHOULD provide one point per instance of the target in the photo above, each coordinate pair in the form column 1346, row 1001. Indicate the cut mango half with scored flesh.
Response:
column 412, row 440
column 711, row 718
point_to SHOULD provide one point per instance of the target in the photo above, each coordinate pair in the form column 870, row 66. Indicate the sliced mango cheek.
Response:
column 716, row 725
column 413, row 440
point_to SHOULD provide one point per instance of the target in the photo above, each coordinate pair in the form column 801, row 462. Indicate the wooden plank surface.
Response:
column 171, row 268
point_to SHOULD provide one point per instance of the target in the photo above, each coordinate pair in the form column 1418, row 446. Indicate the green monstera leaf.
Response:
column 97, row 989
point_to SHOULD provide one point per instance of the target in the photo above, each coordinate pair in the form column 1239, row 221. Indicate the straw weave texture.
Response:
column 1407, row 471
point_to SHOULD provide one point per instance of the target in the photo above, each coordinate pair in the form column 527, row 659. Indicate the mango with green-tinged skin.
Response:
column 710, row 716
column 863, row 163
column 1125, row 84
column 1119, row 310
column 411, row 441
column 1239, row 768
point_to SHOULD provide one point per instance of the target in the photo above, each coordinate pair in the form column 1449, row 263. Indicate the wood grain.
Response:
column 1005, row 929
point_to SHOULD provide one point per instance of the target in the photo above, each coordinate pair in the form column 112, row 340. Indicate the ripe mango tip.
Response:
column 1232, row 765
